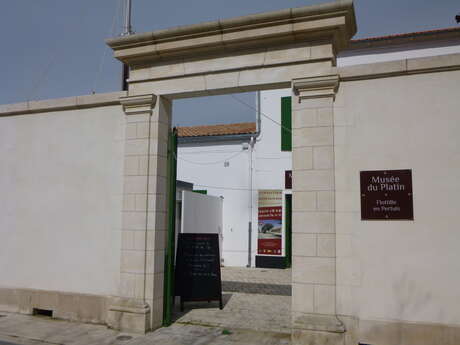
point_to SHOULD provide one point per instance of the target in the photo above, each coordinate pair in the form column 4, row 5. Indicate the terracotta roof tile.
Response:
column 214, row 130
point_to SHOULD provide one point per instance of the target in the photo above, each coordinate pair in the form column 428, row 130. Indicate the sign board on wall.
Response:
column 288, row 179
column 270, row 222
column 386, row 194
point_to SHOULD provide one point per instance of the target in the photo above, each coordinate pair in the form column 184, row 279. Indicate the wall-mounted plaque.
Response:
column 288, row 179
column 386, row 194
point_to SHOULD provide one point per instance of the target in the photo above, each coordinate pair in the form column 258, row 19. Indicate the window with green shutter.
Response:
column 201, row 191
column 286, row 124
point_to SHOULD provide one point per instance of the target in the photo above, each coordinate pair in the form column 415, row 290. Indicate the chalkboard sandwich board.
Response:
column 197, row 275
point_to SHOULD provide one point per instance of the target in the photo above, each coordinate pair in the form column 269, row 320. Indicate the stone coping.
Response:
column 335, row 19
column 400, row 67
column 438, row 35
column 67, row 103
column 347, row 73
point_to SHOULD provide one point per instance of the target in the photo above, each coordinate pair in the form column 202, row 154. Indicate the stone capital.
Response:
column 316, row 87
column 141, row 104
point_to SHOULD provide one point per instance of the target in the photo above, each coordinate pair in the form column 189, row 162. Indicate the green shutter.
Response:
column 201, row 191
column 286, row 124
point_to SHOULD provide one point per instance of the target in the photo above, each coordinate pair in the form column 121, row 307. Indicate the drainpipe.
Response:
column 251, row 169
column 259, row 118
column 251, row 147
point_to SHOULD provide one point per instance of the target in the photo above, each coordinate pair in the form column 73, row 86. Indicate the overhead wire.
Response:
column 209, row 163
column 261, row 112
column 228, row 158
column 227, row 188
column 42, row 77
column 111, row 33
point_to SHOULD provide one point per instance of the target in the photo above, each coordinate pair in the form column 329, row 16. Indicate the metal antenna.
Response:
column 127, row 29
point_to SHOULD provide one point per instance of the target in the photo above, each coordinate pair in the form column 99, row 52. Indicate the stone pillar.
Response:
column 139, row 305
column 313, row 217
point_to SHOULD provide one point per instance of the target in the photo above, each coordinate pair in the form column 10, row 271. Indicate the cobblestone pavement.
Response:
column 257, row 275
column 256, row 299
column 32, row 330
column 257, row 288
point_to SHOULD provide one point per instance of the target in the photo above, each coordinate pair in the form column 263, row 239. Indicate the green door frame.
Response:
column 168, row 289
column 288, row 229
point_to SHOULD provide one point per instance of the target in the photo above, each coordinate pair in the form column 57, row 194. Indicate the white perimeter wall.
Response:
column 60, row 201
column 398, row 52
column 400, row 270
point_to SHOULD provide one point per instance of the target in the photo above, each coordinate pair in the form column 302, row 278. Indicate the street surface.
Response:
column 256, row 311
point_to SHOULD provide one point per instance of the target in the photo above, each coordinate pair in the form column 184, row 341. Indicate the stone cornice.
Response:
column 133, row 105
column 316, row 87
column 59, row 104
column 332, row 21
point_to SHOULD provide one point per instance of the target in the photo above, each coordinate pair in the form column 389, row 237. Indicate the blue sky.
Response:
column 55, row 48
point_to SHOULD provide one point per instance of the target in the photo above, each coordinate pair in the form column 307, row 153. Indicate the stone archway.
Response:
column 289, row 48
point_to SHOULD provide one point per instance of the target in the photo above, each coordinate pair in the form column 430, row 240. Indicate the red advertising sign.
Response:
column 270, row 222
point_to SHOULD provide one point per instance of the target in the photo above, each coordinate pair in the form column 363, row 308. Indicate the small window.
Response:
column 286, row 124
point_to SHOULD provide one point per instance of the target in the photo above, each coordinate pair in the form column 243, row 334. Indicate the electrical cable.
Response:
column 261, row 113
column 42, row 77
column 209, row 163
column 111, row 33
column 39, row 81
column 228, row 158
column 207, row 152
column 228, row 188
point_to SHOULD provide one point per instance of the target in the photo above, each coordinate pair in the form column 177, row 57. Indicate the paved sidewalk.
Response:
column 257, row 280
column 254, row 298
column 33, row 330
column 257, row 275
column 257, row 311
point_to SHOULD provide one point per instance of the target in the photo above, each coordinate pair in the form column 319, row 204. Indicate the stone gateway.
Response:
column 84, row 179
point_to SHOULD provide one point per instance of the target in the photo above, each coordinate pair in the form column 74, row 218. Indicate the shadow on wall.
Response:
column 410, row 300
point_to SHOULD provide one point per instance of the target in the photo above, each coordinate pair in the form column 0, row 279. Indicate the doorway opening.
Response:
column 233, row 164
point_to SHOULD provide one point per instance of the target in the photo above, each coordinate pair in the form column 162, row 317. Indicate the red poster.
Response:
column 270, row 222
